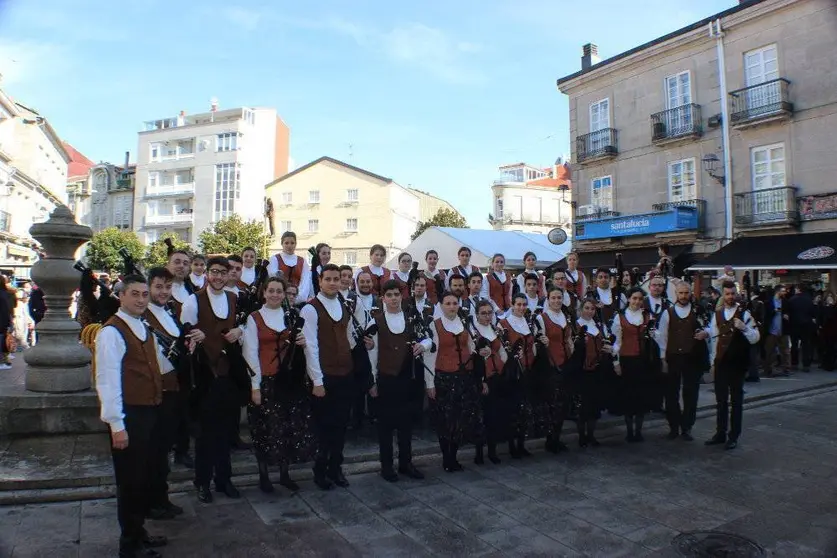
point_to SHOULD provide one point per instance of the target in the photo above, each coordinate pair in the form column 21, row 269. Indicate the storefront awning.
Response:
column 643, row 258
column 793, row 251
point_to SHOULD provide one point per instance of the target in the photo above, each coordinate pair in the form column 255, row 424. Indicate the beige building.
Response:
column 347, row 207
column 719, row 131
column 103, row 196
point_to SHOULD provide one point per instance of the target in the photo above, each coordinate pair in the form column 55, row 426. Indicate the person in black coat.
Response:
column 803, row 328
column 37, row 305
column 776, row 331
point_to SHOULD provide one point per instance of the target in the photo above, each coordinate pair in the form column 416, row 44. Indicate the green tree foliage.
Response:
column 103, row 249
column 443, row 218
column 156, row 255
column 232, row 234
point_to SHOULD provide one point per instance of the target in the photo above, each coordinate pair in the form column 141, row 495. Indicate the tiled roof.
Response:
column 79, row 164
column 563, row 178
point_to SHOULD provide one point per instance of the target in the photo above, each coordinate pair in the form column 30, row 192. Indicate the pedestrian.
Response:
column 496, row 401
column 803, row 328
column 590, row 380
column 557, row 327
column 777, row 333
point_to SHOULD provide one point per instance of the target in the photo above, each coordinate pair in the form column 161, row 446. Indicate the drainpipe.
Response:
column 717, row 33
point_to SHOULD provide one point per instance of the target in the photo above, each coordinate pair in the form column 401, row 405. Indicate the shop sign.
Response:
column 813, row 208
column 672, row 220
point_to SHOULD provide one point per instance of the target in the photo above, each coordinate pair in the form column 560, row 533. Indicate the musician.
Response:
column 530, row 260
column 520, row 337
column 197, row 277
column 682, row 341
column 656, row 304
column 396, row 372
column 558, row 330
column 590, row 385
column 323, row 257
column 436, row 280
column 129, row 383
column 576, row 280
column 631, row 350
column 531, row 289
column 293, row 268
column 498, row 285
column 328, row 358
column 361, row 307
column 292, row 294
column 234, row 283
column 376, row 270
column 610, row 300
column 464, row 269
column 248, row 260
column 495, row 402
column 420, row 300
column 457, row 288
column 281, row 423
column 475, row 283
column 452, row 388
column 402, row 274
column 732, row 328
column 241, row 291
column 347, row 281
column 571, row 300
column 213, row 311
column 179, row 265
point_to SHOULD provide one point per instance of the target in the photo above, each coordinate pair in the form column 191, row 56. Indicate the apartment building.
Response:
column 347, row 207
column 708, row 137
column 194, row 170
column 103, row 196
column 531, row 199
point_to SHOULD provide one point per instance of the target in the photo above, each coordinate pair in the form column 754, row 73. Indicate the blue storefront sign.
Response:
column 672, row 220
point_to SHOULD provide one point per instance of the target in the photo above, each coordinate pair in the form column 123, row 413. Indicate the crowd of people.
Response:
column 310, row 350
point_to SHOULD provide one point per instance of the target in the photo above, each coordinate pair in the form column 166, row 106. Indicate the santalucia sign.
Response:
column 671, row 220
column 631, row 225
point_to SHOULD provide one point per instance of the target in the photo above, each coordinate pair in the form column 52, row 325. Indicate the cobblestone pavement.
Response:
column 778, row 489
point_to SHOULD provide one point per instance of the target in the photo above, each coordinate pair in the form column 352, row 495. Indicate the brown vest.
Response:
column 499, row 292
column 432, row 295
column 378, row 281
column 557, row 340
column 402, row 286
column 726, row 331
column 212, row 327
column 528, row 343
column 631, row 336
column 494, row 364
column 392, row 347
column 177, row 307
column 335, row 353
column 593, row 351
column 681, row 333
column 142, row 383
column 170, row 382
column 272, row 346
column 293, row 275
column 448, row 359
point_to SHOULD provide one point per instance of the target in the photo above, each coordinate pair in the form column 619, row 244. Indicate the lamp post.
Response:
column 710, row 165
column 714, row 167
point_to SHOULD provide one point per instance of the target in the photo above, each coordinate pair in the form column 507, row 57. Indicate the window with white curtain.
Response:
column 601, row 194
column 682, row 184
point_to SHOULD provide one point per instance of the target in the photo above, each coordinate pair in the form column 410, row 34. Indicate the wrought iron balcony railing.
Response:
column 700, row 205
column 596, row 145
column 680, row 122
column 757, row 102
column 770, row 206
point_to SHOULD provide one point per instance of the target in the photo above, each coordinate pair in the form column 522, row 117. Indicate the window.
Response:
column 499, row 208
column 151, row 237
column 678, row 94
column 122, row 212
column 155, row 151
column 227, row 141
column 287, row 197
column 285, row 226
column 516, row 208
column 601, row 196
column 350, row 258
column 313, row 225
column 761, row 66
column 153, row 179
column 227, row 189
column 768, row 166
column 682, row 185
column 599, row 120
column 314, row 196
column 250, row 116
column 532, row 209
column 351, row 225
column 351, row 195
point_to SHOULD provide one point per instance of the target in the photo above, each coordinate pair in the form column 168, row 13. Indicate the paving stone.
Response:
column 395, row 545
column 46, row 551
column 587, row 538
column 56, row 524
column 436, row 532
column 611, row 518
column 524, row 541
column 380, row 495
column 653, row 537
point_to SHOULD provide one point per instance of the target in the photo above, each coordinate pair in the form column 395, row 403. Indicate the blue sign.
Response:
column 671, row 220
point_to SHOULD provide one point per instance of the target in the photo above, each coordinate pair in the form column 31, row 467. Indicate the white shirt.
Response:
column 499, row 275
column 558, row 318
column 750, row 333
column 396, row 324
column 575, row 277
column 309, row 330
column 274, row 318
column 520, row 325
column 489, row 333
column 218, row 302
column 110, row 350
column 179, row 292
column 455, row 270
column 634, row 317
column 232, row 289
column 592, row 329
column 532, row 303
column 455, row 327
column 525, row 274
column 165, row 319
column 248, row 274
column 292, row 260
column 363, row 309
column 198, row 280
column 655, row 304
column 403, row 275
column 661, row 333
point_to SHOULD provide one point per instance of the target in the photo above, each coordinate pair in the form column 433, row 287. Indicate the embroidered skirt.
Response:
column 282, row 427
column 457, row 411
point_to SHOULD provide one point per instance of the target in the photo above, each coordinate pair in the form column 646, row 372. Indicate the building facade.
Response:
column 104, row 196
column 193, row 171
column 347, row 207
column 530, row 199
column 719, row 130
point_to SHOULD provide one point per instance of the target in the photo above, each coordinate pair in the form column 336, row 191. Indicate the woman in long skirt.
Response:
column 279, row 413
column 633, row 365
column 590, row 384
column 452, row 388
column 519, row 335
column 495, row 403
column 558, row 331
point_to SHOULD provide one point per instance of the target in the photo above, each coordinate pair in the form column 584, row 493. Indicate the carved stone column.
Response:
column 58, row 363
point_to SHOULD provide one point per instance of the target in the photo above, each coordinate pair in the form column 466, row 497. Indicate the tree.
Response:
column 156, row 255
column 443, row 218
column 232, row 234
column 103, row 250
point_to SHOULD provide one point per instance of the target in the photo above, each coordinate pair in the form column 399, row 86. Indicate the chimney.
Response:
column 181, row 118
column 127, row 159
column 589, row 56
column 213, row 107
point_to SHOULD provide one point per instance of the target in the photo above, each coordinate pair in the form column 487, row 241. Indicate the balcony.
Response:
column 596, row 146
column 698, row 205
column 594, row 215
column 673, row 218
column 5, row 221
column 677, row 124
column 771, row 206
column 182, row 217
column 184, row 190
column 760, row 104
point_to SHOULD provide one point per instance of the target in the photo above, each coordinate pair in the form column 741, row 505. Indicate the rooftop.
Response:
column 79, row 164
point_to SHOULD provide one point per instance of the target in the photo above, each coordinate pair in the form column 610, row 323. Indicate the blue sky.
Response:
column 435, row 94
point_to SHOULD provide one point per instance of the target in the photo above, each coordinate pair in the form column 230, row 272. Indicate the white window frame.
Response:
column 350, row 258
column 313, row 196
column 154, row 151
column 226, row 141
column 499, row 207
column 287, row 197
column 685, row 193
column 313, row 225
column 352, row 195
column 228, row 185
column 153, row 179
column 760, row 51
column 676, row 77
column 594, row 200
column 590, row 114
column 285, row 226
column 351, row 224
column 769, row 162
column 595, row 142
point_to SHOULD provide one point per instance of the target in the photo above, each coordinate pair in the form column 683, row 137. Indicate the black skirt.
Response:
column 638, row 387
column 457, row 412
column 497, row 407
column 282, row 427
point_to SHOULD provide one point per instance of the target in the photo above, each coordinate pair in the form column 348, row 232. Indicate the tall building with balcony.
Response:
column 708, row 137
column 194, row 170
column 103, row 196
column 532, row 199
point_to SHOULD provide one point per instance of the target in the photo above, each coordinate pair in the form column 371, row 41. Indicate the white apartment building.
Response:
column 532, row 199
column 195, row 170
column 33, row 180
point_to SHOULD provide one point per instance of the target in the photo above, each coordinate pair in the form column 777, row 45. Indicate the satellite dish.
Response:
column 557, row 236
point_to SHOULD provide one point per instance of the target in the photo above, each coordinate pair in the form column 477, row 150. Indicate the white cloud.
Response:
column 244, row 18
column 431, row 49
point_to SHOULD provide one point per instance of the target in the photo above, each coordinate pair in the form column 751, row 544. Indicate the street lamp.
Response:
column 564, row 188
column 710, row 165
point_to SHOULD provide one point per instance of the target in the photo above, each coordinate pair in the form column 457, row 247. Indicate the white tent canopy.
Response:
column 483, row 244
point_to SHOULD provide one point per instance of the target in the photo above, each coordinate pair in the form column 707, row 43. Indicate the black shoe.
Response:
column 562, row 447
column 716, row 440
column 322, row 482
column 672, row 434
column 160, row 514
column 150, row 541
column 492, row 454
column 582, row 441
column 479, row 458
column 389, row 475
column 631, row 438
column 513, row 451
column 338, row 478
column 551, row 445
column 134, row 552
column 240, row 445
column 176, row 510
column 184, row 459
column 638, row 438
column 593, row 441
column 410, row 470
column 265, row 485
column 204, row 495
column 285, row 480
column 228, row 490
column 521, row 449
column 731, row 444
column 687, row 435
column 456, row 466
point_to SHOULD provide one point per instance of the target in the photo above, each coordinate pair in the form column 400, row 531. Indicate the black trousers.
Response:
column 805, row 336
column 183, row 424
column 396, row 404
column 212, row 446
column 164, row 434
column 683, row 374
column 131, row 467
column 729, row 391
column 331, row 414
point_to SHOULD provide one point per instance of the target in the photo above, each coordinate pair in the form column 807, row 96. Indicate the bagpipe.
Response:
column 315, row 263
column 92, row 310
column 738, row 352
column 543, row 371
column 601, row 323
column 291, row 367
column 480, row 342
column 360, row 354
column 129, row 265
